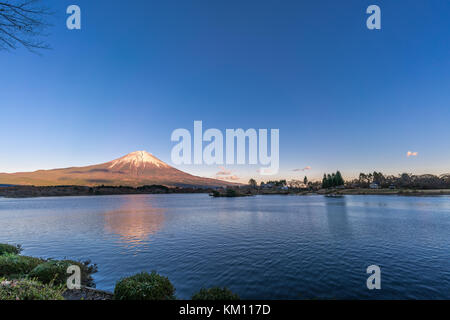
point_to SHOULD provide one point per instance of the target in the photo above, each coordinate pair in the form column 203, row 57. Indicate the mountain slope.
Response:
column 134, row 169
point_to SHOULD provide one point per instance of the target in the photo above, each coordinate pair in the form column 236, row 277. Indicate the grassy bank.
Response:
column 31, row 278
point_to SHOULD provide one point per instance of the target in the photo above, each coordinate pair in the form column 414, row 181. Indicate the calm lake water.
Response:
column 264, row 247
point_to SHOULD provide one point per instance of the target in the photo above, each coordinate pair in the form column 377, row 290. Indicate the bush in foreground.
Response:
column 55, row 272
column 14, row 265
column 144, row 286
column 215, row 293
column 7, row 248
column 52, row 271
column 87, row 270
column 26, row 289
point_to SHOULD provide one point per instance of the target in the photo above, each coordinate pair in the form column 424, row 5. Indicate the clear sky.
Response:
column 344, row 97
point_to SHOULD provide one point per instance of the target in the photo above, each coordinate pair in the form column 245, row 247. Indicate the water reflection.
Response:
column 337, row 217
column 135, row 220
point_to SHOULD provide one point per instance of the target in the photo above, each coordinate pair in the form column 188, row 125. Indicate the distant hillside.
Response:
column 135, row 169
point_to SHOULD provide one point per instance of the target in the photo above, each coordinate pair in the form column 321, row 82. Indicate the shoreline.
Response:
column 389, row 192
column 18, row 192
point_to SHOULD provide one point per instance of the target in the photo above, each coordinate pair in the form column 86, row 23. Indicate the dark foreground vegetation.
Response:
column 64, row 191
column 30, row 278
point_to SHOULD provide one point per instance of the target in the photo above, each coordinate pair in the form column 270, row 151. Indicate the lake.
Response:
column 263, row 247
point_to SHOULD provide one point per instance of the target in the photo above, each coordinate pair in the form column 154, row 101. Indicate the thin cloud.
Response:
column 265, row 171
column 229, row 178
column 411, row 154
column 223, row 172
column 303, row 169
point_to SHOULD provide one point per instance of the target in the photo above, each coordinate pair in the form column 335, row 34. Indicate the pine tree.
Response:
column 339, row 180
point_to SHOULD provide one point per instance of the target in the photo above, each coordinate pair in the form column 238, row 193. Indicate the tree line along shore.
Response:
column 375, row 183
column 65, row 191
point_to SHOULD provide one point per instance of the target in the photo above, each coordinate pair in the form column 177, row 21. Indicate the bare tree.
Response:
column 22, row 23
column 252, row 183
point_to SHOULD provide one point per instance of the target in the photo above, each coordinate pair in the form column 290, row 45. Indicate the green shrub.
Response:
column 55, row 271
column 26, row 289
column 7, row 248
column 87, row 270
column 215, row 293
column 12, row 264
column 52, row 271
column 144, row 286
column 215, row 193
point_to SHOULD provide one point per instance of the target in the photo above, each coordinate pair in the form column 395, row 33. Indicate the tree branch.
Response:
column 22, row 23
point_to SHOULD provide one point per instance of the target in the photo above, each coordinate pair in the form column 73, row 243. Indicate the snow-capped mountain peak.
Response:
column 138, row 160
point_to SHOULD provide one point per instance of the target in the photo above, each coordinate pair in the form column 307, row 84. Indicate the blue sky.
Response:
column 344, row 97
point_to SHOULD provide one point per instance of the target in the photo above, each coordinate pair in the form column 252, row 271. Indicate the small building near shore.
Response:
column 374, row 186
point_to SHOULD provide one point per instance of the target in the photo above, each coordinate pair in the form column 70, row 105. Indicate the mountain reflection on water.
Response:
column 135, row 220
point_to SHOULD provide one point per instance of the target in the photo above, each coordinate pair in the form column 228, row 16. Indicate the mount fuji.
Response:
column 134, row 169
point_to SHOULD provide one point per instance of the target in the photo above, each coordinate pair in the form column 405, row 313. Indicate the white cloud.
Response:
column 223, row 172
column 229, row 178
column 303, row 169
